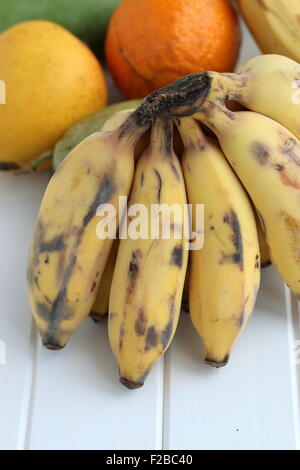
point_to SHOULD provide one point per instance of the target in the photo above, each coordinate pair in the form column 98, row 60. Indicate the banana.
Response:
column 267, row 84
column 265, row 260
column 146, row 292
column 266, row 157
column 225, row 273
column 67, row 257
column 274, row 24
column 100, row 307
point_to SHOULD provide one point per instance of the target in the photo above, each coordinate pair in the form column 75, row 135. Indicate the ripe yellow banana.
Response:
column 100, row 307
column 225, row 274
column 274, row 24
column 67, row 257
column 266, row 157
column 149, row 275
column 267, row 84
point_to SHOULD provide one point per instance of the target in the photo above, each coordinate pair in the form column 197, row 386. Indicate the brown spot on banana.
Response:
column 133, row 271
column 151, row 338
column 290, row 148
column 121, row 337
column 141, row 322
column 242, row 317
column 56, row 244
column 263, row 5
column 159, row 184
column 94, row 285
column 257, row 262
column 167, row 333
column 57, row 311
column 171, row 304
column 104, row 195
column 177, row 256
column 261, row 152
column 175, row 171
column 60, row 266
column 168, row 138
column 286, row 180
column 232, row 220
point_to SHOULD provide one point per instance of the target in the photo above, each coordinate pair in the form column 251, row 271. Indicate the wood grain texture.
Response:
column 78, row 402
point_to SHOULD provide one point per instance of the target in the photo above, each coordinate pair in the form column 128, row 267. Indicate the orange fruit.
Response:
column 151, row 43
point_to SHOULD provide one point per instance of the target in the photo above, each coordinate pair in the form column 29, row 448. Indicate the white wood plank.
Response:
column 293, row 310
column 248, row 404
column 78, row 403
column 20, row 197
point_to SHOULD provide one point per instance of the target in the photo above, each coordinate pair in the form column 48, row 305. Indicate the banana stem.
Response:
column 191, row 133
column 35, row 164
column 182, row 98
column 162, row 136
column 132, row 129
column 187, row 96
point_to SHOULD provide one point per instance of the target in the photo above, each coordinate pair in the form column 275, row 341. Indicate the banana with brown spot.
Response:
column 225, row 273
column 274, row 24
column 266, row 157
column 149, row 275
column 67, row 257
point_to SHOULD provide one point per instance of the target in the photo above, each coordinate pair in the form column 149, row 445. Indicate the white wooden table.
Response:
column 72, row 399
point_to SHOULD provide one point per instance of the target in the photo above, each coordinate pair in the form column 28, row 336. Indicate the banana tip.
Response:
column 53, row 347
column 130, row 384
column 266, row 265
column 217, row 364
column 97, row 318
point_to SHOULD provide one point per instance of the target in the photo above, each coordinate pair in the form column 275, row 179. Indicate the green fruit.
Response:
column 87, row 19
column 86, row 127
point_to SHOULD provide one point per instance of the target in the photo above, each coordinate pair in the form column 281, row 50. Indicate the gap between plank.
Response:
column 27, row 412
column 293, row 315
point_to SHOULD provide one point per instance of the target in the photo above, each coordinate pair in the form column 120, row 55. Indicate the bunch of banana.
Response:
column 225, row 273
column 66, row 258
column 274, row 24
column 247, row 176
column 149, row 275
column 100, row 307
